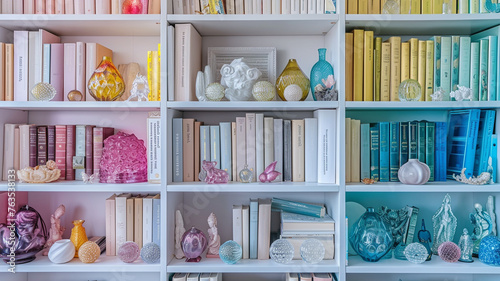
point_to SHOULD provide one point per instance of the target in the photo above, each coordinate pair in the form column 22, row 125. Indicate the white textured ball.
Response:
column 62, row 251
column 293, row 92
column 264, row 91
column 214, row 92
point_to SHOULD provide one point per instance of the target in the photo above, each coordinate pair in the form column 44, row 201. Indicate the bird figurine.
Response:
column 269, row 173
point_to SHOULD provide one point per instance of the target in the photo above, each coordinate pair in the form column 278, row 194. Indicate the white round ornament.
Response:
column 264, row 91
column 293, row 92
column 214, row 92
column 62, row 251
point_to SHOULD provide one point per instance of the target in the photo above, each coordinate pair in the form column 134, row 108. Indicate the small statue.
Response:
column 239, row 78
column 490, row 207
column 463, row 93
column 56, row 230
column 444, row 224
column 213, row 237
column 439, row 95
column 269, row 173
column 214, row 175
column 140, row 89
column 424, row 237
column 465, row 245
column 179, row 231
column 482, row 226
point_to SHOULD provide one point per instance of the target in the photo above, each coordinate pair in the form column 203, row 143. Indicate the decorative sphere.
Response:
column 193, row 242
column 416, row 253
column 281, row 251
column 264, row 91
column 312, row 251
column 293, row 92
column 410, row 90
column 390, row 7
column 489, row 250
column 75, row 95
column 89, row 252
column 128, row 252
column 230, row 252
column 246, row 175
column 43, row 91
column 449, row 252
column 150, row 253
column 62, row 251
column 214, row 92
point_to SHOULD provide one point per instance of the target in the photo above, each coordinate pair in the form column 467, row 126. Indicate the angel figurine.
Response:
column 214, row 238
column 56, row 230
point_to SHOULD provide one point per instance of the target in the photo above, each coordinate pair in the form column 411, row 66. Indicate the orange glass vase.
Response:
column 78, row 235
column 106, row 84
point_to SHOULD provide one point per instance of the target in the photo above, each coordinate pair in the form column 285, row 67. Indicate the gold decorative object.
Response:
column 75, row 95
column 89, row 252
column 263, row 91
column 368, row 181
column 106, row 84
column 78, row 235
column 40, row 174
column 43, row 91
column 292, row 74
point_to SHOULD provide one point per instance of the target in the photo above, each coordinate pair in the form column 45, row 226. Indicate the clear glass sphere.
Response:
column 312, row 251
column 281, row 251
column 409, row 90
column 230, row 252
column 416, row 253
column 246, row 175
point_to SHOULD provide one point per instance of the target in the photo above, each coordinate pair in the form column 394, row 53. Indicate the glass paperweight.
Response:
column 128, row 252
column 263, row 91
column 150, row 253
column 312, row 251
column 75, row 95
column 292, row 75
column 281, row 251
column 246, row 175
column 409, row 90
column 43, row 91
column 390, row 7
column 230, row 252
column 416, row 253
column 321, row 77
column 399, row 251
column 106, row 84
column 449, row 252
column 140, row 89
column 489, row 250
column 193, row 242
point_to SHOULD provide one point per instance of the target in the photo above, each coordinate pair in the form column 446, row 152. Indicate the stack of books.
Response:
column 310, row 277
column 74, row 7
column 197, row 277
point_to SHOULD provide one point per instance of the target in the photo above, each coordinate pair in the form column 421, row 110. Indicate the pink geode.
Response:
column 123, row 160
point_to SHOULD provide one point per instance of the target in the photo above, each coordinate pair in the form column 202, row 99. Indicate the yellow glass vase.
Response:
column 78, row 235
column 292, row 74
column 106, row 84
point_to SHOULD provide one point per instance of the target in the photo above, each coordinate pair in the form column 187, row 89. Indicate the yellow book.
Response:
column 358, row 65
column 349, row 42
column 348, row 149
column 352, row 6
column 363, row 7
column 368, row 67
column 454, row 6
column 370, row 6
column 415, row 7
column 155, row 77
column 395, row 75
column 150, row 75
column 422, row 52
column 413, row 58
column 429, row 69
column 158, row 73
column 404, row 7
column 405, row 61
column 377, row 57
column 427, row 6
column 437, row 6
column 216, row 7
column 376, row 7
column 385, row 72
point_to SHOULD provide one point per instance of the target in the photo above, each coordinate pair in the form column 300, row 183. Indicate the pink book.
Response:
column 100, row 134
column 16, row 148
column 20, row 65
column 7, row 7
column 21, row 200
column 69, row 69
column 57, row 69
column 33, row 146
column 59, row 7
column 50, row 6
column 90, row 7
column 103, row 6
column 89, row 152
column 68, row 7
column 40, row 6
column 145, row 5
column 61, row 149
column 70, row 151
column 79, row 6
column 51, row 142
column 81, row 83
column 18, row 7
column 29, row 6
column 24, row 146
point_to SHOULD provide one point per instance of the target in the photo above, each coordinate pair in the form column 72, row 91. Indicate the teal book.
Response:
column 483, row 69
column 394, row 151
column 492, row 67
column 365, row 151
column 254, row 217
column 440, row 151
column 177, row 150
column 483, row 145
column 464, row 62
column 455, row 59
column 384, row 151
column 403, row 143
column 493, row 153
column 313, row 210
column 437, row 62
column 446, row 65
column 430, row 129
column 215, row 145
column 225, row 148
column 494, row 31
column 374, row 151
column 474, row 70
column 413, row 140
column 421, row 141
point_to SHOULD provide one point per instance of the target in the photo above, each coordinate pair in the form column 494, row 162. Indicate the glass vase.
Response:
column 132, row 7
column 292, row 75
column 78, row 235
column 106, row 84
column 321, row 74
column 371, row 237
column 193, row 242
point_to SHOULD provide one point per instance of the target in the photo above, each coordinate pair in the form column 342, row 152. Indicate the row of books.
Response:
column 197, row 277
column 132, row 218
column 304, row 149
column 255, row 7
column 74, row 6
column 418, row 6
column 68, row 145
column 444, row 62
column 311, row 277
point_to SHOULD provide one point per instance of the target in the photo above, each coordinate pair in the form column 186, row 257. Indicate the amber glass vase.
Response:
column 292, row 74
column 106, row 84
column 78, row 235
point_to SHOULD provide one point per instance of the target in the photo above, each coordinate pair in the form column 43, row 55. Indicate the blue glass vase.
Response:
column 370, row 236
column 320, row 73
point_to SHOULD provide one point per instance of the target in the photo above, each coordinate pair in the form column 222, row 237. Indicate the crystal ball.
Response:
column 489, row 250
column 409, row 90
column 449, row 252
column 246, row 175
column 416, row 253
column 214, row 92
column 312, row 251
column 281, row 251
column 89, row 252
column 150, row 253
column 128, row 252
column 230, row 252
column 293, row 92
column 263, row 91
column 43, row 91
column 390, row 7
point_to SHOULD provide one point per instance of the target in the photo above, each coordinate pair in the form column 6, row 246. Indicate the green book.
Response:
column 437, row 62
column 374, row 151
column 446, row 66
column 474, row 70
column 430, row 128
column 403, row 143
column 412, row 140
column 464, row 62
column 377, row 60
column 421, row 141
column 394, row 151
column 455, row 55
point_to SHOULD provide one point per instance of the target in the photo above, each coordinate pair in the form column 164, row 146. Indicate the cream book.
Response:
column 355, row 151
column 348, row 149
column 121, row 219
column 138, row 220
column 395, row 75
column 264, row 229
column 368, row 67
column 187, row 61
column 111, row 226
column 130, row 219
column 298, row 151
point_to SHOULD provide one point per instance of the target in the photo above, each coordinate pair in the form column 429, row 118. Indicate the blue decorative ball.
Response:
column 150, row 253
column 230, row 252
column 489, row 250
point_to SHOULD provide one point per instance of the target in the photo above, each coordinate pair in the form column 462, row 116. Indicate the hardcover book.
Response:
column 254, row 217
column 355, row 150
column 311, row 148
column 298, row 151
column 70, row 150
column 264, row 229
column 187, row 61
column 483, row 145
column 259, row 144
column 446, row 64
column 394, row 151
column 403, row 143
column 374, row 151
column 250, row 135
column 177, row 150
column 421, row 141
column 237, row 225
column 89, row 149
column 153, row 149
column 384, row 151
column 111, row 226
column 365, row 151
column 269, row 141
column 440, row 155
column 327, row 124
column 318, row 211
column 430, row 129
column 287, row 151
column 42, row 152
column 225, row 148
column 437, row 61
column 188, row 149
column 278, row 149
column 240, row 145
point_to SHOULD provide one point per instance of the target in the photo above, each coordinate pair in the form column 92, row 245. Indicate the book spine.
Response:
column 237, row 227
column 405, row 61
column 463, row 6
column 97, row 147
column 250, row 135
column 298, row 151
column 405, row 6
column 50, row 6
column 446, row 65
column 412, row 222
column 327, row 124
column 394, row 151
column 430, row 147
column 440, row 156
column 352, row 7
column 147, row 220
column 421, row 68
column 245, row 228
column 294, row 7
column 403, row 143
column 233, row 149
column 385, row 72
column 349, row 64
column 249, row 6
column 69, row 7
column 121, row 220
column 177, row 150
column 8, row 150
column 358, row 65
column 287, row 150
column 42, row 145
column 362, row 6
column 348, row 149
column 384, row 151
column 254, row 217
column 21, row 65
column 278, row 148
column 474, row 6
column 268, row 141
column 16, row 147
column 415, row 7
column 365, row 151
column 46, row 64
column 374, row 151
column 225, row 147
column 157, row 221
column 57, row 70
column 264, row 229
column 437, row 62
column 259, row 144
column 196, row 149
column 395, row 67
column 204, row 144
column 80, row 66
column 493, row 153
column 51, row 143
column 240, row 145
column 103, row 7
column 492, row 67
column 39, row 6
column 267, row 7
column 464, row 62
column 130, row 219
column 437, row 6
column 471, row 142
column 239, row 6
column 368, row 66
column 153, row 150
column 455, row 56
column 311, row 149
column 80, row 151
column 188, row 150
column 474, row 70
column 355, row 150
column 9, row 72
column 429, row 70
column 89, row 149
column 483, row 70
column 421, row 139
column 110, row 227
column 311, row 7
column 24, row 153
column 377, row 58
column 70, row 151
column 138, row 206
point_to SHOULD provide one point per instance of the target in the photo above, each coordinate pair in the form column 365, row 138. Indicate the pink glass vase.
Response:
column 132, row 7
column 193, row 242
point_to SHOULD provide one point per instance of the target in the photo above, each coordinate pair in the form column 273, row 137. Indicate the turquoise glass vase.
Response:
column 321, row 74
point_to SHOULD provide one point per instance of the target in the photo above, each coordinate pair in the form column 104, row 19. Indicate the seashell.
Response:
column 368, row 181
column 62, row 251
column 39, row 174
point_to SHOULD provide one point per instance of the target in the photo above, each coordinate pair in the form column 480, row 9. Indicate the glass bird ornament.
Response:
column 269, row 173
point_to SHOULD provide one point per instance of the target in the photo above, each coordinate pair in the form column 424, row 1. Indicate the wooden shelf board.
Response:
column 80, row 186
column 251, row 105
column 433, row 105
column 252, row 187
column 83, row 105
column 448, row 186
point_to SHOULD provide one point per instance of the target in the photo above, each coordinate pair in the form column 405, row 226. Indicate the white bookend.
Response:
column 295, row 7
column 266, row 7
column 245, row 228
column 259, row 143
column 286, row 7
column 147, row 219
column 240, row 145
column 278, row 147
column 311, row 149
column 251, row 143
column 248, row 7
column 264, row 229
column 327, row 125
column 237, row 225
column 268, row 141
column 121, row 218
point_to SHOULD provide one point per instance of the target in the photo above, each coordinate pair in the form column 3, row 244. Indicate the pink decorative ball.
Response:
column 123, row 160
column 132, row 7
column 449, row 252
column 129, row 252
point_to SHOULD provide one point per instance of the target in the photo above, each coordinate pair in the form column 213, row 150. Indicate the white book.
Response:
column 278, row 147
column 245, row 228
column 311, row 154
column 193, row 277
column 239, row 7
column 33, row 40
column 205, row 277
column 18, row 7
column 230, row 9
column 240, row 145
column 304, row 6
column 348, row 149
column 266, row 7
column 327, row 125
column 237, row 225
column 215, row 276
column 250, row 140
column 259, row 143
column 147, row 219
column 292, row 277
column 295, row 7
column 179, row 277
column 257, row 6
column 286, row 7
column 178, row 6
column 248, row 7
column 311, row 6
column 7, row 7
column 276, row 7
column 171, row 58
column 121, row 219
column 268, row 141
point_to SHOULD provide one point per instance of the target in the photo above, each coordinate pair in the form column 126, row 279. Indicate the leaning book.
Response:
column 298, row 208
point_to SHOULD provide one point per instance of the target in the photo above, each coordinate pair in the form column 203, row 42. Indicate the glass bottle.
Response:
column 292, row 74
column 106, row 84
column 320, row 74
column 78, row 235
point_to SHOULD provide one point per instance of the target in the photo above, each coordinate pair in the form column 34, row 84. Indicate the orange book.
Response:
column 9, row 72
column 349, row 45
column 188, row 149
column 196, row 135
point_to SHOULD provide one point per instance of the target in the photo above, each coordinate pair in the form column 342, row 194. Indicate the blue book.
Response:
column 464, row 62
column 413, row 140
column 313, row 210
column 374, row 151
column 403, row 143
column 483, row 145
column 492, row 67
column 215, row 145
column 446, row 65
column 204, row 143
column 483, row 69
column 462, row 136
column 384, row 151
column 437, row 63
column 421, row 139
column 365, row 151
column 394, row 151
column 177, row 150
column 225, row 148
column 254, row 217
column 494, row 31
column 455, row 55
column 493, row 153
column 440, row 152
column 46, row 63
column 430, row 128
column 157, row 220
column 474, row 70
